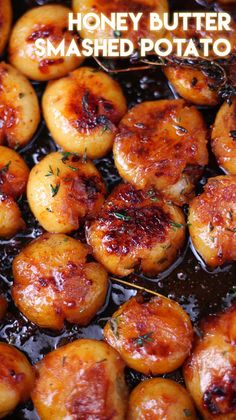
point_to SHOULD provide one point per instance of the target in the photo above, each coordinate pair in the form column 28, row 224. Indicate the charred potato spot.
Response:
column 16, row 378
column 152, row 337
column 136, row 228
column 63, row 190
column 212, row 221
column 19, row 108
column 84, row 379
column 210, row 372
column 224, row 137
column 162, row 144
column 50, row 23
column 5, row 22
column 53, row 282
column 116, row 6
column 160, row 399
column 83, row 110
column 3, row 307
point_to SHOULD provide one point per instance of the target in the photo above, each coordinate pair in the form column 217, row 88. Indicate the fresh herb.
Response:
column 55, row 189
column 49, row 210
column 65, row 156
column 176, row 226
column 5, row 168
column 105, row 128
column 187, row 412
column 117, row 34
column 154, row 199
column 121, row 216
column 50, row 172
column 142, row 339
column 232, row 134
column 72, row 168
column 166, row 246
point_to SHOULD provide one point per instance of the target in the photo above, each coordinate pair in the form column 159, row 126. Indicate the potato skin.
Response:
column 3, row 307
column 136, row 229
column 82, row 380
column 16, row 378
column 135, row 6
column 63, row 190
column 11, row 220
column 49, row 22
column 212, row 221
column 5, row 22
column 209, row 372
column 160, row 399
column 82, row 111
column 162, row 144
column 153, row 337
column 53, row 282
column 223, row 143
column 19, row 108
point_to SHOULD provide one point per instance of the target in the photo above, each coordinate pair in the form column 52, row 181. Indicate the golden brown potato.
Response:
column 11, row 220
column 82, row 380
column 210, row 372
column 152, row 337
column 212, row 221
column 116, row 6
column 16, row 378
column 162, row 144
column 5, row 22
column 224, row 137
column 82, row 111
column 160, row 399
column 49, row 23
column 19, row 108
column 53, row 282
column 3, row 307
column 63, row 189
column 136, row 229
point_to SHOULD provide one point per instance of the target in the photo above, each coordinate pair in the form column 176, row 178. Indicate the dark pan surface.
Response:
column 200, row 292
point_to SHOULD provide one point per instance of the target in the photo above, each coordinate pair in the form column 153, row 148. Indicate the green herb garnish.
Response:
column 142, row 339
column 55, row 189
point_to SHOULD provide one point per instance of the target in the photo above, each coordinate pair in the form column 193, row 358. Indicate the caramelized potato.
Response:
column 136, row 228
column 82, row 380
column 16, row 378
column 63, row 189
column 11, row 220
column 5, row 22
column 212, row 221
column 82, row 111
column 53, row 282
column 3, row 307
column 210, row 373
column 50, row 23
column 224, row 137
column 19, row 108
column 160, row 399
column 134, row 6
column 162, row 144
column 152, row 337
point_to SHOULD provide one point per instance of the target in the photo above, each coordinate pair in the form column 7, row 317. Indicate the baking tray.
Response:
column 200, row 292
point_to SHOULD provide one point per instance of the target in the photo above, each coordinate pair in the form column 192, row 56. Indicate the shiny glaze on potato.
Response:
column 153, row 336
column 5, row 22
column 11, row 220
column 210, row 372
column 53, row 282
column 16, row 379
column 116, row 6
column 212, row 221
column 63, row 190
column 162, row 144
column 19, row 108
column 160, row 399
column 3, row 307
column 136, row 228
column 82, row 380
column 224, row 137
column 82, row 111
column 48, row 22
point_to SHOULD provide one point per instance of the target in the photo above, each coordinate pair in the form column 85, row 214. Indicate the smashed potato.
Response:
column 49, row 23
column 63, row 189
column 160, row 399
column 133, row 6
column 82, row 111
column 212, row 221
column 162, row 144
column 224, row 137
column 82, row 380
column 53, row 282
column 5, row 22
column 16, row 378
column 209, row 372
column 153, row 336
column 136, row 229
column 3, row 307
column 19, row 108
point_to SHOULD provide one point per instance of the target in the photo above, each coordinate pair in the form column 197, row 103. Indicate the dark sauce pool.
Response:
column 199, row 291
